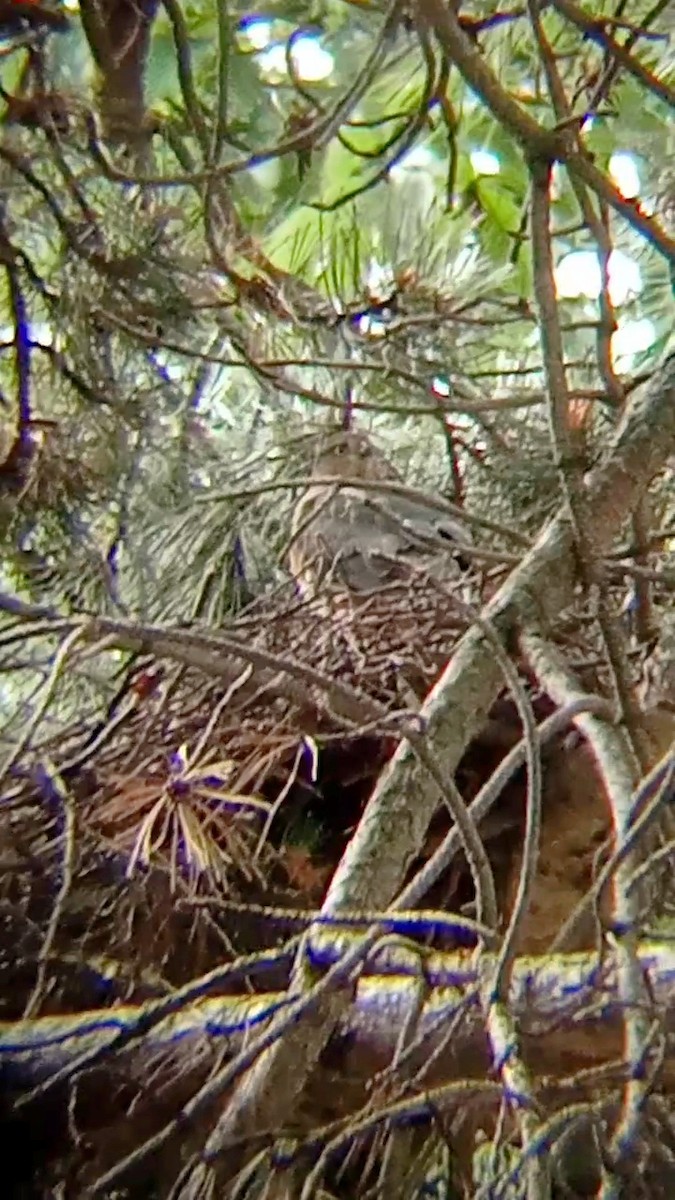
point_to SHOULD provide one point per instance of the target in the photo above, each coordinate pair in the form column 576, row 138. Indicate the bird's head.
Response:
column 347, row 454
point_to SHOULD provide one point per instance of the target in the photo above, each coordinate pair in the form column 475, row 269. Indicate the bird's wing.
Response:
column 419, row 526
column 362, row 543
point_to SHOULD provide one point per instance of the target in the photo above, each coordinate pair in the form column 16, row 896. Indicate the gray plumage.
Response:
column 360, row 539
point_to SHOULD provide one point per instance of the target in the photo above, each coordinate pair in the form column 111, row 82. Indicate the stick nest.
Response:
column 243, row 788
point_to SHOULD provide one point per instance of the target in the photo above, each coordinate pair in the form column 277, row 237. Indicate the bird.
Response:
column 359, row 539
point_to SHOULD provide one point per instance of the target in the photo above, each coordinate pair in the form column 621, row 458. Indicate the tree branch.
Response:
column 537, row 142
column 373, row 868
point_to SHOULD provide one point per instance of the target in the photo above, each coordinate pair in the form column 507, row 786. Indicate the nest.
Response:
column 311, row 684
column 191, row 787
column 209, row 800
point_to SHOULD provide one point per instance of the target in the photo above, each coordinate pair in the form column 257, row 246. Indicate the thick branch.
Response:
column 118, row 32
column 404, row 800
column 543, row 990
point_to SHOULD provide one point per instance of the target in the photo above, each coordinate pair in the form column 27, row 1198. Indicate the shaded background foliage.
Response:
column 173, row 329
column 221, row 229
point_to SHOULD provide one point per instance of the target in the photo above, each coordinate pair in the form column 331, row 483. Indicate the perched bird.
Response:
column 359, row 539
